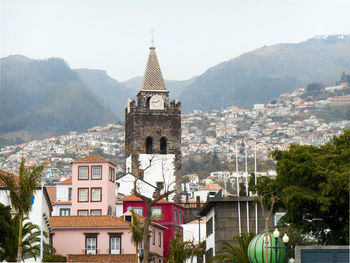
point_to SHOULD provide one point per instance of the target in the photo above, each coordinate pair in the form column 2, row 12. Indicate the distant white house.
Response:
column 158, row 173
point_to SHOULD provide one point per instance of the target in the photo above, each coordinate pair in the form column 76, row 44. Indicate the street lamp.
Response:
column 199, row 218
column 285, row 240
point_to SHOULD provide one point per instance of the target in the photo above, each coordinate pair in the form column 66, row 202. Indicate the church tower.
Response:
column 153, row 125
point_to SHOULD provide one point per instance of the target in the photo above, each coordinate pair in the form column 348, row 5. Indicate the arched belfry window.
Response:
column 149, row 145
column 148, row 102
column 163, row 146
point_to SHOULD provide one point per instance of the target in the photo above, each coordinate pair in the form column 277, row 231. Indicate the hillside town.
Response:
column 290, row 120
column 117, row 193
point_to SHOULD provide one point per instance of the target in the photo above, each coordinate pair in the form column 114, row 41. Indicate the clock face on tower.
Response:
column 156, row 103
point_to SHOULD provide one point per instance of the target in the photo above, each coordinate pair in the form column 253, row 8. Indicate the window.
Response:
column 149, row 145
column 175, row 215
column 96, row 172
column 128, row 218
column 70, row 194
column 278, row 216
column 82, row 212
column 209, row 226
column 111, row 174
column 180, row 217
column 95, row 212
column 163, row 149
column 160, row 186
column 83, row 173
column 114, row 243
column 160, row 239
column 96, row 194
column 153, row 237
column 148, row 102
column 157, row 212
column 83, row 194
column 90, row 243
column 64, row 212
column 137, row 210
column 110, row 210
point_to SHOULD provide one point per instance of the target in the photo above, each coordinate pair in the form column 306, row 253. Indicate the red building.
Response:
column 171, row 214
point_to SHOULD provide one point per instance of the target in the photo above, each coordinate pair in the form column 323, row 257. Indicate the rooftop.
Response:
column 87, row 221
column 92, row 159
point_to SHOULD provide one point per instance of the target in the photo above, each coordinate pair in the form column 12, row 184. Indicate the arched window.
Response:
column 149, row 145
column 148, row 102
column 163, row 146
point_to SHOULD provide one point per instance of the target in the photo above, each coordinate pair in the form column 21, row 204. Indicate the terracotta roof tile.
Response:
column 63, row 203
column 67, row 181
column 131, row 198
column 2, row 172
column 87, row 221
column 51, row 190
column 216, row 187
column 135, row 198
column 93, row 159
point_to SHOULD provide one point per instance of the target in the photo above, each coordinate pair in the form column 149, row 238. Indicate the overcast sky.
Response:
column 190, row 35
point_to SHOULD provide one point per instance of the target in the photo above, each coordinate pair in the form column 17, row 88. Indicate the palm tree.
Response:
column 179, row 250
column 22, row 190
column 136, row 229
column 231, row 253
column 198, row 250
column 30, row 242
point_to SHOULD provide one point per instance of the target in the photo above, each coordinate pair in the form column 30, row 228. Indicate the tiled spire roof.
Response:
column 153, row 79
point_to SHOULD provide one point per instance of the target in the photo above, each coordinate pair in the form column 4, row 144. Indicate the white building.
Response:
column 40, row 212
column 191, row 233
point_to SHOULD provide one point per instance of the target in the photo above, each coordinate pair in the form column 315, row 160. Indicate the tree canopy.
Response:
column 313, row 186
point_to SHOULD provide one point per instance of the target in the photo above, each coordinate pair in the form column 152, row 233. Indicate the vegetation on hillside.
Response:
column 43, row 98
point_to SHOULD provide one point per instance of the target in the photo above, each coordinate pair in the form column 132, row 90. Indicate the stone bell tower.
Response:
column 153, row 125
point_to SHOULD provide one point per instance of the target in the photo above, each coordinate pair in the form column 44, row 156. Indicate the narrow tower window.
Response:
column 149, row 145
column 163, row 146
column 148, row 102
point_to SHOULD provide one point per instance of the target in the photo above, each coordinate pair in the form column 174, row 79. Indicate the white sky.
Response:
column 190, row 36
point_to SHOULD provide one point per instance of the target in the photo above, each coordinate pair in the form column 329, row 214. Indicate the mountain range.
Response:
column 40, row 98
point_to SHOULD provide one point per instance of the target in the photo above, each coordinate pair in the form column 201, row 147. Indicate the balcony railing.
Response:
column 91, row 251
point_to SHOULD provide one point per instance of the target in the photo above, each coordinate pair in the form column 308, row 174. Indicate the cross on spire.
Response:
column 152, row 38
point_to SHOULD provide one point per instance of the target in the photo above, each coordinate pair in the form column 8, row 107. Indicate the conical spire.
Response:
column 153, row 79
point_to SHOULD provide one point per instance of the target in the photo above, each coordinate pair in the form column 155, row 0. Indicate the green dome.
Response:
column 256, row 250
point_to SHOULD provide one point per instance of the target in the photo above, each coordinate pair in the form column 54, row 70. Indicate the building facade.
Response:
column 93, row 187
column 170, row 214
column 153, row 131
column 229, row 216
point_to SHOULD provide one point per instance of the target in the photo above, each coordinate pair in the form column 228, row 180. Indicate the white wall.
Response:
column 210, row 241
column 158, row 168
column 191, row 233
column 62, row 192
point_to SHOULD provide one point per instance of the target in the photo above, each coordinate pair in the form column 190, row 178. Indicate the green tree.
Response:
column 30, row 241
column 21, row 191
column 231, row 253
column 136, row 229
column 5, row 227
column 179, row 250
column 313, row 184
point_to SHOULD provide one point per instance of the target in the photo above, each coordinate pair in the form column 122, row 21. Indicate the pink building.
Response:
column 80, row 237
column 172, row 216
column 93, row 186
